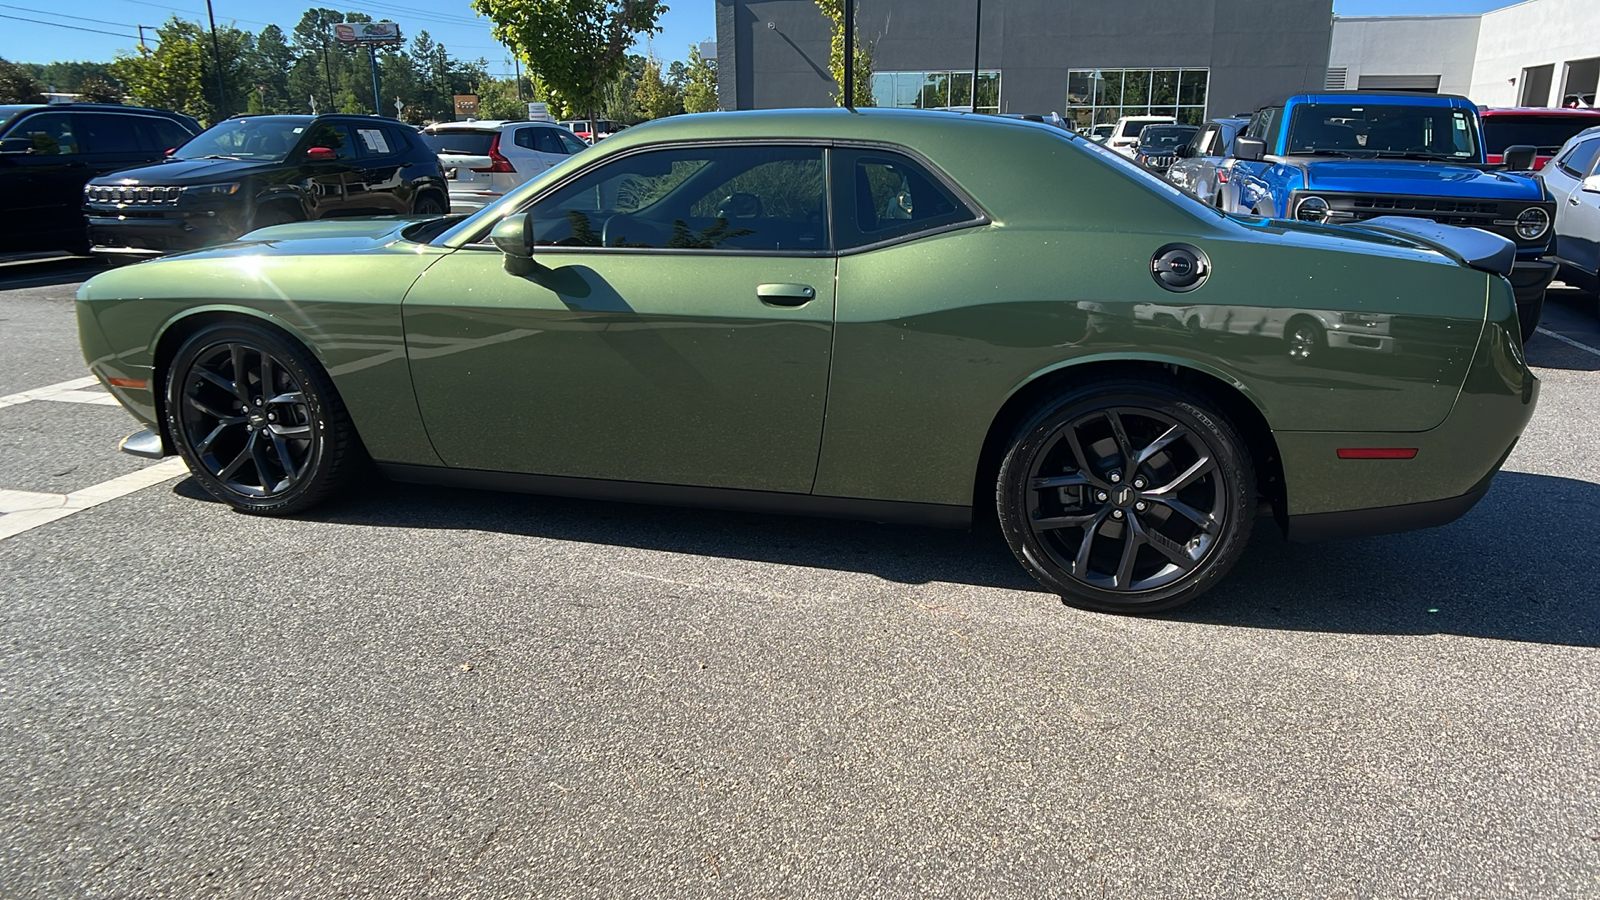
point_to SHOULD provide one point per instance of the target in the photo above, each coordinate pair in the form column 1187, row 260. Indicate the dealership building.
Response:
column 1089, row 60
column 1093, row 61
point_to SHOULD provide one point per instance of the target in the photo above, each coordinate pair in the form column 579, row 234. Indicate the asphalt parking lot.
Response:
column 424, row 692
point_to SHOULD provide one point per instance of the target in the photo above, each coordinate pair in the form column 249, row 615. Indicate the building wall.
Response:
column 1259, row 51
column 1535, row 33
column 1407, row 45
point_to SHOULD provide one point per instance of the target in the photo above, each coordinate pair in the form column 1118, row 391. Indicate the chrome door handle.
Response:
column 786, row 294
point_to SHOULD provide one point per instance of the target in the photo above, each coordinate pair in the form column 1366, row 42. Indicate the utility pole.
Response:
column 849, row 54
column 141, row 35
column 977, row 37
column 377, row 101
column 216, row 52
column 517, row 62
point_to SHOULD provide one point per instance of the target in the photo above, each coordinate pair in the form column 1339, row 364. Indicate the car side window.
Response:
column 335, row 137
column 572, row 144
column 107, row 133
column 693, row 198
column 52, row 134
column 1579, row 161
column 540, row 140
column 1265, row 125
column 374, row 141
column 884, row 195
column 169, row 134
column 1203, row 142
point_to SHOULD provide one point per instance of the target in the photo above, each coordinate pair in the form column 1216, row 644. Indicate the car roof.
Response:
column 1396, row 98
column 903, row 126
column 1537, row 111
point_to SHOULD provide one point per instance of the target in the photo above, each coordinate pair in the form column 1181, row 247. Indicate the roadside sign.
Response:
column 539, row 112
column 466, row 106
column 367, row 33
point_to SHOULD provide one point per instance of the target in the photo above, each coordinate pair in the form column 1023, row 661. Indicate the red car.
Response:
column 1543, row 127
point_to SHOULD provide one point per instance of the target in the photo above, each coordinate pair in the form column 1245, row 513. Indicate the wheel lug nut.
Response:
column 272, row 417
column 1115, row 478
column 1140, row 506
column 1138, row 482
column 1102, row 496
column 1116, row 514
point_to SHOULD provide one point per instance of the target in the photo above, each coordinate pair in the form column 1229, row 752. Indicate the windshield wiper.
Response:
column 1318, row 151
column 1417, row 154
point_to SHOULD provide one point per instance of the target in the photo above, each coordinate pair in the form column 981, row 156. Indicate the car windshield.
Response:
column 261, row 138
column 1365, row 130
column 1132, row 129
column 1166, row 138
column 459, row 141
column 1547, row 133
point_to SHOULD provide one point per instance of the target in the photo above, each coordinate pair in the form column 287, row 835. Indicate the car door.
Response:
column 380, row 188
column 677, row 329
column 328, row 181
column 540, row 149
column 112, row 142
column 42, row 200
column 1577, row 211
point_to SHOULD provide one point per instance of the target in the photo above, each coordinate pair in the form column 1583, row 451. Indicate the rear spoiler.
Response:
column 1468, row 246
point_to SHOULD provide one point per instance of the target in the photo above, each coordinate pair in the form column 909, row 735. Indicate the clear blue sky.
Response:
column 450, row 21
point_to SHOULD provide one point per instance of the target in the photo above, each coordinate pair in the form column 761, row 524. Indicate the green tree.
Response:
column 834, row 11
column 17, row 85
column 170, row 75
column 576, row 47
column 96, row 89
column 269, row 66
column 700, row 83
column 654, row 98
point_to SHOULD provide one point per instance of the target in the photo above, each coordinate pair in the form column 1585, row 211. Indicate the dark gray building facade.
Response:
column 1089, row 60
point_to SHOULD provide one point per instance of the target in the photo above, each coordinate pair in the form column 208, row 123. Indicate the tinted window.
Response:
column 722, row 198
column 572, row 144
column 1547, row 133
column 108, row 133
column 52, row 134
column 1165, row 138
column 1579, row 161
column 1383, row 129
column 459, row 142
column 335, row 137
column 267, row 138
column 889, row 196
column 540, row 140
column 169, row 135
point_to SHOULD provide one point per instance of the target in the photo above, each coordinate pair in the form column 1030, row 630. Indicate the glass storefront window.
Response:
column 1100, row 96
column 935, row 90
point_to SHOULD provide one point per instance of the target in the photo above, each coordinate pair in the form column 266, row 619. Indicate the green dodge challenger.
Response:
column 894, row 315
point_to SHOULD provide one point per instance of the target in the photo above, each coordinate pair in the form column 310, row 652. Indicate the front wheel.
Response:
column 426, row 205
column 257, row 421
column 1127, row 496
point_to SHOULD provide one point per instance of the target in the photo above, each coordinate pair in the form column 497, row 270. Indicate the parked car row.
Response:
column 1349, row 157
column 127, row 182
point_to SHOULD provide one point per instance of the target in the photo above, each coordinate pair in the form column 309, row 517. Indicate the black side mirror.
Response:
column 514, row 237
column 1519, row 158
column 1249, row 148
column 15, row 145
column 1183, row 151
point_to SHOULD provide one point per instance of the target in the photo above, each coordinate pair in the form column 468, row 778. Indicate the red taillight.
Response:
column 1222, row 176
column 497, row 162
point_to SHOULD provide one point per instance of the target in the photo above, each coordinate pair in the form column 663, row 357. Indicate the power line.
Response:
column 43, row 12
column 68, row 27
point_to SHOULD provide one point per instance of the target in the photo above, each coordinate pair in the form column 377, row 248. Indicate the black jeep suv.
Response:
column 47, row 153
column 253, row 171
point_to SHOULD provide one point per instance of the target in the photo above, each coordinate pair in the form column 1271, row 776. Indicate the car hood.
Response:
column 1413, row 177
column 325, row 237
column 187, row 171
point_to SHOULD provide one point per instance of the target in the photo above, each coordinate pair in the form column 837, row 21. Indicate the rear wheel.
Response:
column 257, row 421
column 1127, row 496
column 427, row 205
column 276, row 214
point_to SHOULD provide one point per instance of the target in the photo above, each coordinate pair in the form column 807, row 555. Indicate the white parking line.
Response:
column 27, row 510
column 1569, row 341
column 66, row 390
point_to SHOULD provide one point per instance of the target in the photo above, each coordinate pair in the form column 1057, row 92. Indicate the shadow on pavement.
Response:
column 45, row 273
column 1514, row 568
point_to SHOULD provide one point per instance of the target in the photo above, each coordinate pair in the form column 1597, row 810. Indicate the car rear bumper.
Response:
column 463, row 200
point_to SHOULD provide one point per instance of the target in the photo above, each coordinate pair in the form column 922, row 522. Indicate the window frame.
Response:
column 72, row 120
column 1563, row 158
column 837, row 164
column 480, row 239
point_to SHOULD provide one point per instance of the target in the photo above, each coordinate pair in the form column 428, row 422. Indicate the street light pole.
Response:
column 849, row 55
column 216, row 53
column 977, row 37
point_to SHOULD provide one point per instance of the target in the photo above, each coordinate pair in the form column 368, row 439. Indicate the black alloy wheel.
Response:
column 1127, row 496
column 425, row 205
column 257, row 421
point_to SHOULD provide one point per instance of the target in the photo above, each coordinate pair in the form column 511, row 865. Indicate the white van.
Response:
column 1126, row 137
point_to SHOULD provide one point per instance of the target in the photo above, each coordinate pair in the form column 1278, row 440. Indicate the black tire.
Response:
column 1528, row 316
column 1306, row 337
column 1167, row 528
column 258, row 422
column 426, row 205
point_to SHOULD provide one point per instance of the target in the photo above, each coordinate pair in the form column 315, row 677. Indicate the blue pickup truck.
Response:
column 1346, row 157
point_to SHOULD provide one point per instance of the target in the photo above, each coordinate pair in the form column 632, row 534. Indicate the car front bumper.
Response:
column 152, row 233
column 1529, row 278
